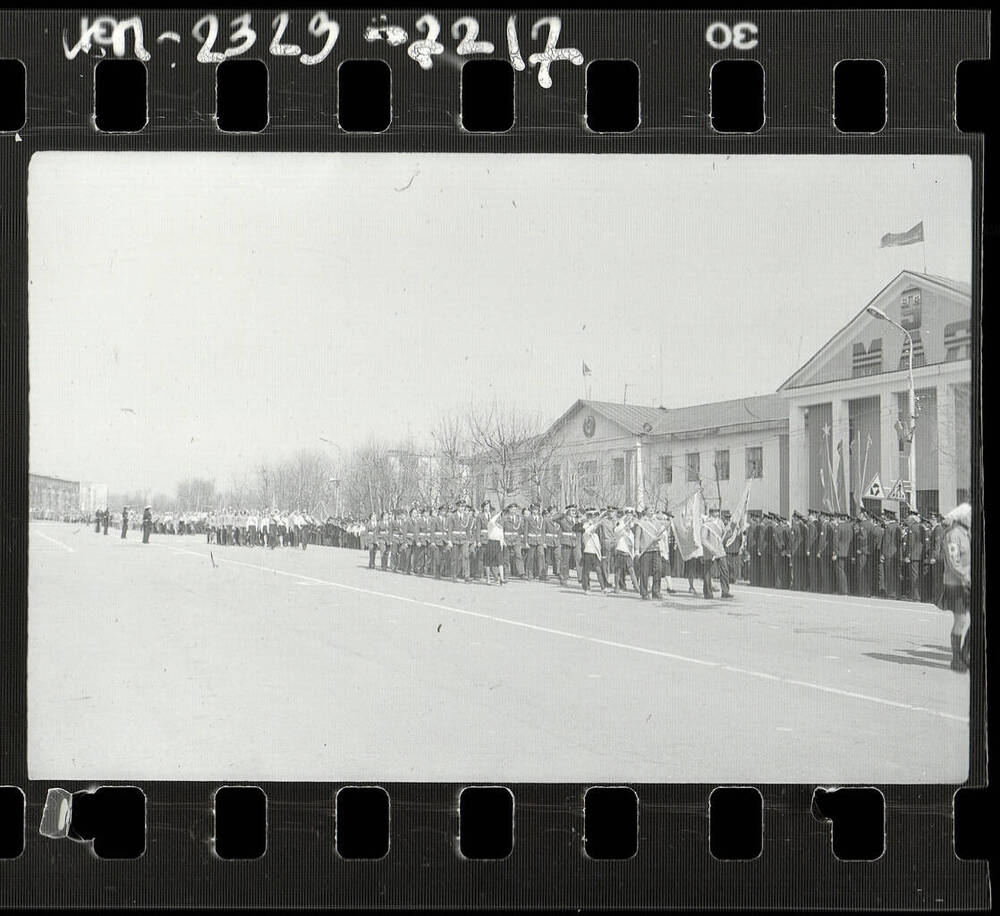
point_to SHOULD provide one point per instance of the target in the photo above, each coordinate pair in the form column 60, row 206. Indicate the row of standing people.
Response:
column 869, row 555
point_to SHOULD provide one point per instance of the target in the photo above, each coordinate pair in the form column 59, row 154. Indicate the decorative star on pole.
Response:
column 826, row 430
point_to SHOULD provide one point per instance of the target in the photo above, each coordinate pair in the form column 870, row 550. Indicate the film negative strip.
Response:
column 492, row 458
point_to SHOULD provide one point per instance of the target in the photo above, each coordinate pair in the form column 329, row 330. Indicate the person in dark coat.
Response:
column 147, row 523
column 124, row 520
column 890, row 552
column 843, row 538
column 97, row 522
column 915, row 533
column 813, row 547
column 863, row 554
column 800, row 564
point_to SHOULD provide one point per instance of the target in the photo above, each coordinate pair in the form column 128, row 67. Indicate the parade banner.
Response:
column 741, row 515
column 711, row 538
column 687, row 526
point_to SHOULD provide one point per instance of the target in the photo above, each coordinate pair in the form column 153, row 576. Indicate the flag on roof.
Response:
column 910, row 237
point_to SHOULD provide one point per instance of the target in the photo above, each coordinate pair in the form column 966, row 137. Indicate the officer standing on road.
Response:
column 124, row 521
column 147, row 523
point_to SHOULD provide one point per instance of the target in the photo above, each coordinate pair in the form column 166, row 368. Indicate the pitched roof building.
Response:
column 818, row 442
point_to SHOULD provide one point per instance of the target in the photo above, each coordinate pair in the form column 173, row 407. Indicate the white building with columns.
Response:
column 853, row 394
column 841, row 409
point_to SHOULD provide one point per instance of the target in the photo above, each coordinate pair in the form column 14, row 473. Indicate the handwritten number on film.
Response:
column 108, row 32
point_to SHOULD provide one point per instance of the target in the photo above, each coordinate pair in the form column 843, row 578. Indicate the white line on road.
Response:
column 747, row 672
column 53, row 540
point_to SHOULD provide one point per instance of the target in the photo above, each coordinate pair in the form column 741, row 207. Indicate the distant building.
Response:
column 53, row 497
column 846, row 400
column 93, row 496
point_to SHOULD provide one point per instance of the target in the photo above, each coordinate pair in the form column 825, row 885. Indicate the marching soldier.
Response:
column 440, row 539
column 458, row 539
column 569, row 541
column 646, row 534
column 624, row 550
column 534, row 530
column 513, row 538
column 553, row 550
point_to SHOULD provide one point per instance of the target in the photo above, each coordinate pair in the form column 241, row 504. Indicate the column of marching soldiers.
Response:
column 238, row 527
column 871, row 554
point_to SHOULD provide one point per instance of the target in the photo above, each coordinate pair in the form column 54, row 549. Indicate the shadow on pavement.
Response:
column 940, row 659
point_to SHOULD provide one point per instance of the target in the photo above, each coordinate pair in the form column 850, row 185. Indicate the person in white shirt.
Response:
column 624, row 540
column 495, row 542
column 592, row 551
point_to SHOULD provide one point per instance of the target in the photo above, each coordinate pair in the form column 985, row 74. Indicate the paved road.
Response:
column 177, row 660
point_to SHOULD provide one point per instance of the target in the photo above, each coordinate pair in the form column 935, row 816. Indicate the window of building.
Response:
column 666, row 469
column 693, row 464
column 755, row 461
column 618, row 471
column 587, row 472
column 722, row 464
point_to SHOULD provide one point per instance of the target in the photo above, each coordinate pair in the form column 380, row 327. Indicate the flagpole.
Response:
column 923, row 242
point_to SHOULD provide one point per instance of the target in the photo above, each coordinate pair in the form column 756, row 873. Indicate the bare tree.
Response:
column 451, row 457
column 499, row 439
column 542, row 455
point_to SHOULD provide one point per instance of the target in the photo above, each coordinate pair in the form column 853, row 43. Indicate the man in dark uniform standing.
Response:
column 782, row 552
column 862, row 552
column 124, row 521
column 890, row 551
column 797, row 546
column 97, row 522
column 823, row 549
column 915, row 531
column 812, row 550
column 147, row 523
column 843, row 536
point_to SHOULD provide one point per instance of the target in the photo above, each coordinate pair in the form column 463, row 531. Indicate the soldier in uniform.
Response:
column 553, row 550
column 782, row 534
column 732, row 540
column 534, row 531
column 124, row 521
column 97, row 522
column 863, row 533
column 937, row 559
column 569, row 542
column 147, row 523
column 646, row 534
column 800, row 562
column 624, row 550
column 440, row 538
column 842, row 543
column 458, row 541
column 915, row 540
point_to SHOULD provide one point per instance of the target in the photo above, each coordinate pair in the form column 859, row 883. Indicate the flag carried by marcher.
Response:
column 586, row 370
column 910, row 237
column 840, row 491
column 740, row 518
column 687, row 526
column 711, row 538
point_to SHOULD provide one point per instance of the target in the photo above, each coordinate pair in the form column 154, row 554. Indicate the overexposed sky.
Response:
column 190, row 313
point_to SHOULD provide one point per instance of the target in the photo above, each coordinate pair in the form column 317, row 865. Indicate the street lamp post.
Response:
column 912, row 429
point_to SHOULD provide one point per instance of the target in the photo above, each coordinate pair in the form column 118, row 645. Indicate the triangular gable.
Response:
column 573, row 426
column 937, row 312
